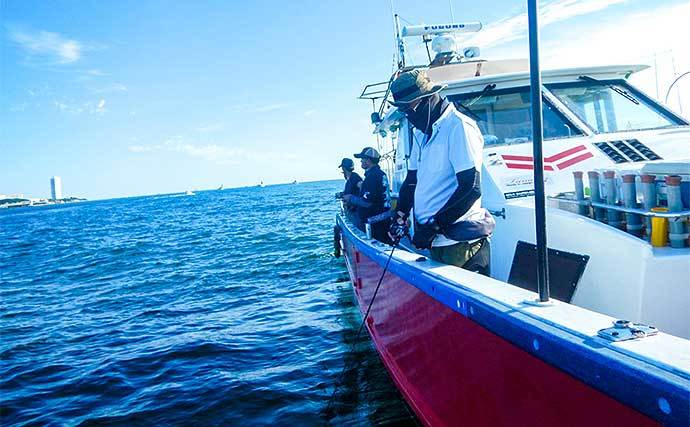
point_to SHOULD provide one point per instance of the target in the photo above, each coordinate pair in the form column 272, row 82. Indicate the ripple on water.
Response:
column 222, row 308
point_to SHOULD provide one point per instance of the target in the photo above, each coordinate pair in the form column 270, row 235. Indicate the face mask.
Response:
column 421, row 117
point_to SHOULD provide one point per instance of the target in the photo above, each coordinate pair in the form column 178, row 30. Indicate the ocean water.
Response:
column 223, row 308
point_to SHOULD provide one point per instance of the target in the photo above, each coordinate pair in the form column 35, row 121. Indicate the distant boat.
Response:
column 295, row 182
column 189, row 193
column 221, row 187
column 262, row 184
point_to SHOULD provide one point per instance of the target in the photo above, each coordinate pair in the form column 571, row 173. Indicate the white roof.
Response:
column 460, row 81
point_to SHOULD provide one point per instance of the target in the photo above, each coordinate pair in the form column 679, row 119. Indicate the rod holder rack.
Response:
column 622, row 208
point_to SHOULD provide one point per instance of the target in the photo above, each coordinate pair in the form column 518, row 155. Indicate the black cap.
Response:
column 347, row 164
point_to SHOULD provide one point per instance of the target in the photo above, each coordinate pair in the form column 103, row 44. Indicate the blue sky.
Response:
column 138, row 97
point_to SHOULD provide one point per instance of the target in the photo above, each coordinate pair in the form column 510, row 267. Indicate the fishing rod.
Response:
column 401, row 232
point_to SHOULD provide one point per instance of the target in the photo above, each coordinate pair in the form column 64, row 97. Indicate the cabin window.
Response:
column 505, row 116
column 612, row 106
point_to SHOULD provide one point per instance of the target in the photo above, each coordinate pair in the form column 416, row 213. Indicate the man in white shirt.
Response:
column 443, row 181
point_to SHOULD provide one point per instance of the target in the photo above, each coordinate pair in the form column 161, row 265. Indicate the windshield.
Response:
column 611, row 106
column 505, row 116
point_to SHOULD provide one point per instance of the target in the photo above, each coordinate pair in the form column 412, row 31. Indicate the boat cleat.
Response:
column 624, row 330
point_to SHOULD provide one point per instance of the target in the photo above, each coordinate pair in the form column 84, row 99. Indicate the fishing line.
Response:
column 359, row 331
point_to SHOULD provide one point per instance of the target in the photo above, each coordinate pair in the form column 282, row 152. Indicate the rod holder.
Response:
column 633, row 223
column 649, row 200
column 676, row 226
column 580, row 193
column 595, row 190
column 613, row 216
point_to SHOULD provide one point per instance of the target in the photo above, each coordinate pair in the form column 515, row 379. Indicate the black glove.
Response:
column 398, row 228
column 398, row 231
column 424, row 234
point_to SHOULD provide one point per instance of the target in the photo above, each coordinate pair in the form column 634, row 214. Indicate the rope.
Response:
column 359, row 331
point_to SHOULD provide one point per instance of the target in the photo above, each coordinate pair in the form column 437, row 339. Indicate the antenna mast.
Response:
column 400, row 42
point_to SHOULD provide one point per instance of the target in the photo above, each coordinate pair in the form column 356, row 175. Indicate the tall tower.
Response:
column 56, row 188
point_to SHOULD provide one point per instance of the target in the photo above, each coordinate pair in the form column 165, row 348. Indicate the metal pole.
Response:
column 400, row 42
column 537, row 138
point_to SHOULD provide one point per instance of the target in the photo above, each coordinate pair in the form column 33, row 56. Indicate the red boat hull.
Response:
column 453, row 371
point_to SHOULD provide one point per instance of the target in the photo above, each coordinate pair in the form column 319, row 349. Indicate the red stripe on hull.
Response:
column 515, row 157
column 565, row 153
column 454, row 372
column 574, row 160
column 526, row 166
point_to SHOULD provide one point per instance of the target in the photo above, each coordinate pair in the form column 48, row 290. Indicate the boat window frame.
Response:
column 648, row 101
column 578, row 130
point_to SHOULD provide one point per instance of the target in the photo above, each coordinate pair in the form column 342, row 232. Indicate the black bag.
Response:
column 465, row 231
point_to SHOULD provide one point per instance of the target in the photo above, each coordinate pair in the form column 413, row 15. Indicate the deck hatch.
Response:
column 565, row 270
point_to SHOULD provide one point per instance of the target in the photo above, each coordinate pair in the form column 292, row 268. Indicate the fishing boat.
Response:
column 607, row 342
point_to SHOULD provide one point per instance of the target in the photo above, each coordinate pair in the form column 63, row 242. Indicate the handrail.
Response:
column 622, row 208
column 367, row 95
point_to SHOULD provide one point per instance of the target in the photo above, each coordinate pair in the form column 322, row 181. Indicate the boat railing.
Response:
column 375, row 92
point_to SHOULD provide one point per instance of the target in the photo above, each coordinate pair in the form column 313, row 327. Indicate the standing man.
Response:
column 373, row 198
column 352, row 182
column 443, row 182
column 352, row 178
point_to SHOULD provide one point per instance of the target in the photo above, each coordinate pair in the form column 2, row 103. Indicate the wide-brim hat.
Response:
column 411, row 86
column 368, row 152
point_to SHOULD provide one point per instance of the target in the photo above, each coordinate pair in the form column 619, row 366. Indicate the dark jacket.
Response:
column 351, row 184
column 373, row 197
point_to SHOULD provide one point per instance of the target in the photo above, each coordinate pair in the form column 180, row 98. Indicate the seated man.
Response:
column 373, row 198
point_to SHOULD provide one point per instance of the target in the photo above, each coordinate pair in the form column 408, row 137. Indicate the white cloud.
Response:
column 76, row 108
column 47, row 44
column 265, row 108
column 19, row 107
column 657, row 36
column 68, row 107
column 269, row 107
column 638, row 37
column 309, row 113
column 213, row 127
column 219, row 154
column 113, row 87
column 140, row 149
column 515, row 27
column 95, row 72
